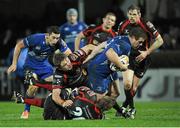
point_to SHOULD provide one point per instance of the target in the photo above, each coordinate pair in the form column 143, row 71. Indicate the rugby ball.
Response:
column 123, row 59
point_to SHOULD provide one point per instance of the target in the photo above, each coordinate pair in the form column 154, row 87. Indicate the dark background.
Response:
column 20, row 18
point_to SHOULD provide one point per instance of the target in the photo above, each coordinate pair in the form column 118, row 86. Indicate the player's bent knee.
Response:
column 32, row 90
column 127, row 85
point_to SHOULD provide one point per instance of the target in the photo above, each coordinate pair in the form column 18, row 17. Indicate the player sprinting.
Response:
column 139, row 58
column 40, row 46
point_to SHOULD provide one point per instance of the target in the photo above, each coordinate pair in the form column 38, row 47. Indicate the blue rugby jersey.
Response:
column 38, row 50
column 69, row 33
column 100, row 64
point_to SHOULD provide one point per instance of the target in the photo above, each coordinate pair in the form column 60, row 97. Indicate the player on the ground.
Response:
column 40, row 46
column 80, row 103
column 139, row 58
column 72, row 28
column 97, row 34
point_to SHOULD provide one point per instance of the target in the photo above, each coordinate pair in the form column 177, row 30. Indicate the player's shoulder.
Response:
column 82, row 23
column 124, row 22
column 147, row 22
column 36, row 38
column 37, row 35
column 63, row 26
column 61, row 42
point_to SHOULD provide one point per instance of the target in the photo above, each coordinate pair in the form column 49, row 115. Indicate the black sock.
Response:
column 116, row 107
column 128, row 97
column 131, row 102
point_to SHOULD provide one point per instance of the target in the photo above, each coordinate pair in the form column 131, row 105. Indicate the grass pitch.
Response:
column 149, row 114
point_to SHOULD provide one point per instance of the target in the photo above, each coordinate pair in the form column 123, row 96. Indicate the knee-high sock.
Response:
column 46, row 86
column 27, row 106
column 35, row 102
column 117, row 107
column 128, row 95
column 131, row 103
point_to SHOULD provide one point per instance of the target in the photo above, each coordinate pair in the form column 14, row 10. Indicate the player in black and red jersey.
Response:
column 97, row 34
column 80, row 103
column 139, row 58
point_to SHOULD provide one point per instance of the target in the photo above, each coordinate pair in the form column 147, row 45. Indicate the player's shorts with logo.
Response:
column 139, row 68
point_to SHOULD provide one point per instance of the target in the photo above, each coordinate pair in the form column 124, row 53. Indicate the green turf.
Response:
column 149, row 114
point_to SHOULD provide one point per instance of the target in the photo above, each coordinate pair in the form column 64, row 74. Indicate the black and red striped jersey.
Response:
column 96, row 34
column 75, row 77
column 147, row 26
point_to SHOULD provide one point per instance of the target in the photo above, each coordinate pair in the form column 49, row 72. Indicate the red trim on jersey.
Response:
column 99, row 28
column 87, row 100
column 46, row 86
column 95, row 29
column 144, row 28
column 124, row 25
column 76, row 63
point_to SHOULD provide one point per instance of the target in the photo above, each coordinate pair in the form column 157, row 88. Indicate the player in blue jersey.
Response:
column 99, row 70
column 40, row 47
column 72, row 28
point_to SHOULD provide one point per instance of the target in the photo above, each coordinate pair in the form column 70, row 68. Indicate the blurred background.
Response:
column 20, row 18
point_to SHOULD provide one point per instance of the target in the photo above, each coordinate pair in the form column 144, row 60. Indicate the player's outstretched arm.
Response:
column 17, row 51
column 95, row 51
column 78, row 40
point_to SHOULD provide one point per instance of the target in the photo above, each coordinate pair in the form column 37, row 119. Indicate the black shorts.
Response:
column 139, row 68
column 53, row 111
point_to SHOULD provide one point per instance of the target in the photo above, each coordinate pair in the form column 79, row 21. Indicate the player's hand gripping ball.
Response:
column 124, row 60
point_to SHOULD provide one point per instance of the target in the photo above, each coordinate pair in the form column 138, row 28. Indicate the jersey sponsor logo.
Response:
column 66, row 29
column 104, row 63
column 126, row 31
column 149, row 24
column 97, row 35
column 74, row 32
column 38, row 47
column 80, row 27
column 57, row 76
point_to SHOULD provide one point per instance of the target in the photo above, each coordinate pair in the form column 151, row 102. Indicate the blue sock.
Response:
column 27, row 107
